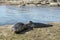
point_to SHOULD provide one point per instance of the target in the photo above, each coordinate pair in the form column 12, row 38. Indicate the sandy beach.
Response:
column 48, row 33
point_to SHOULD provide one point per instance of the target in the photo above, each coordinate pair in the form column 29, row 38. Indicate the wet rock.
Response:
column 53, row 4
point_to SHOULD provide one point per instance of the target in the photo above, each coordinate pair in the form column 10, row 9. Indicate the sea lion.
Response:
column 38, row 25
column 18, row 27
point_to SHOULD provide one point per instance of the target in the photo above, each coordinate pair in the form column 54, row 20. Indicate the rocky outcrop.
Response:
column 32, row 2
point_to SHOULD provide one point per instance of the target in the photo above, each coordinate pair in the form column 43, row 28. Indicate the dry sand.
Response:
column 48, row 33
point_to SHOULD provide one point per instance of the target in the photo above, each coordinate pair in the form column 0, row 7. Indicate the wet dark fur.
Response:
column 38, row 25
column 23, row 27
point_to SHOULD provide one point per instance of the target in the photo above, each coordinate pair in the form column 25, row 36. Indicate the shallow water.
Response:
column 13, row 14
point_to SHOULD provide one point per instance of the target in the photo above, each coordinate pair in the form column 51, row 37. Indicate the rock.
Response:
column 43, row 3
column 30, row 5
column 53, row 4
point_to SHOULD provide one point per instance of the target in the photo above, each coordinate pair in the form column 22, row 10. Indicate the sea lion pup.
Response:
column 18, row 27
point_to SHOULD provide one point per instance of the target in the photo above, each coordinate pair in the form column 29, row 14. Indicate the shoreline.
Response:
column 7, row 25
column 48, row 33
